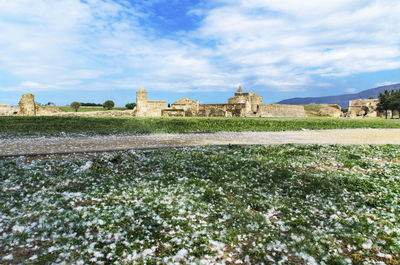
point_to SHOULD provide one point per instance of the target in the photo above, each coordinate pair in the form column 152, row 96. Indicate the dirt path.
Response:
column 89, row 143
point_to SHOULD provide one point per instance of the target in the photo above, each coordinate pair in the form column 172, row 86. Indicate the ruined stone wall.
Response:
column 255, row 102
column 152, row 108
column 173, row 112
column 280, row 110
column 191, row 108
column 46, row 110
column 224, row 110
column 363, row 108
column 323, row 110
column 6, row 110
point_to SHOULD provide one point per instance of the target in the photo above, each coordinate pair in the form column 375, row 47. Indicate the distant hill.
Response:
column 341, row 100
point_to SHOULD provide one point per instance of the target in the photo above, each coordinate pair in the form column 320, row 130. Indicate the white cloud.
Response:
column 351, row 90
column 97, row 44
column 387, row 83
column 305, row 38
column 272, row 45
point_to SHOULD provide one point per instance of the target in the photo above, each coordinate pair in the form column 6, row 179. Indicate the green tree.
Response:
column 130, row 105
column 75, row 105
column 389, row 101
column 396, row 101
column 392, row 102
column 109, row 104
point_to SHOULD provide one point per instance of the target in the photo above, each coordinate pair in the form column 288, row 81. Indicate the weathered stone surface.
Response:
column 148, row 108
column 27, row 105
column 325, row 110
column 242, row 97
column 363, row 108
column 173, row 112
column 190, row 107
column 279, row 110
column 47, row 110
column 6, row 110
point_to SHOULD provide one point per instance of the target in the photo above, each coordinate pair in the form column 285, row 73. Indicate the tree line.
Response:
column 108, row 104
column 389, row 101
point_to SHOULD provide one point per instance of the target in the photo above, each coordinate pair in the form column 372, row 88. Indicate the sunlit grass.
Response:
column 45, row 125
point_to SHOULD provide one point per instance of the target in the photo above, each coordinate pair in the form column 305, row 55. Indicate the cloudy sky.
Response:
column 94, row 50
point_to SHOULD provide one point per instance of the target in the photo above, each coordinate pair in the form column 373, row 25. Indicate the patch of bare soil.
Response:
column 25, row 145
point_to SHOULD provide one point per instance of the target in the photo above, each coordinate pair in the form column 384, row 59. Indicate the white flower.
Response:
column 8, row 257
column 367, row 245
column 18, row 228
column 180, row 255
column 86, row 166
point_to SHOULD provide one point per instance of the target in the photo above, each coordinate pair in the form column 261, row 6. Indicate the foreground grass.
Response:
column 43, row 125
column 205, row 205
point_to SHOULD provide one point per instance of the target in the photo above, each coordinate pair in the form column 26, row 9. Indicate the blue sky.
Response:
column 94, row 50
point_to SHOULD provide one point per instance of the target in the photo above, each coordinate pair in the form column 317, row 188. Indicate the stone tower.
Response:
column 27, row 105
column 141, row 100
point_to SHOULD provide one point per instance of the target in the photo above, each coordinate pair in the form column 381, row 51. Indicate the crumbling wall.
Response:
column 190, row 107
column 153, row 108
column 363, row 108
column 324, row 110
column 6, row 110
column 47, row 110
column 173, row 112
column 223, row 110
column 280, row 110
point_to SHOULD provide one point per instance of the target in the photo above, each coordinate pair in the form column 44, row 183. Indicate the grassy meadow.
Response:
column 51, row 125
column 282, row 204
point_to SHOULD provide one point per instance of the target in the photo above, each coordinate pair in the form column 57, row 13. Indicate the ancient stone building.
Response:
column 363, row 108
column 148, row 108
column 243, row 104
column 242, row 97
column 190, row 107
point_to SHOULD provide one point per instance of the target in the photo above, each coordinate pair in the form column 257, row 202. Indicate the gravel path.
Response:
column 25, row 145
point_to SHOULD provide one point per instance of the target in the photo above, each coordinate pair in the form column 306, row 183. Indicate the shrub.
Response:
column 109, row 104
column 75, row 105
column 130, row 105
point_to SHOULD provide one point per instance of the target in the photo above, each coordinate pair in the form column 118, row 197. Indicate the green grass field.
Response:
column 44, row 125
column 282, row 204
column 87, row 109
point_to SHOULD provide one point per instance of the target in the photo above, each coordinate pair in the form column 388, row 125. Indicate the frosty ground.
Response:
column 288, row 204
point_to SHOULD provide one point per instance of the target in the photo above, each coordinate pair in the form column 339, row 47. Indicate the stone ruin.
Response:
column 363, row 108
column 324, row 110
column 27, row 105
column 243, row 104
column 7, row 110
